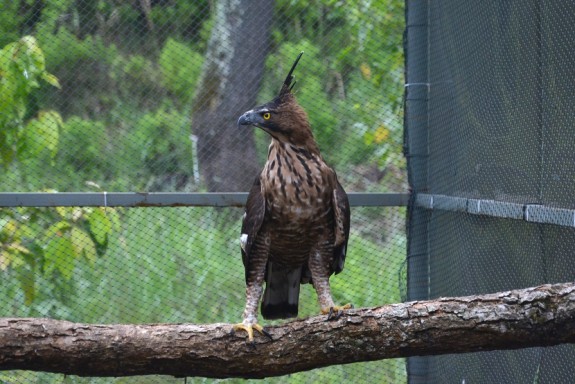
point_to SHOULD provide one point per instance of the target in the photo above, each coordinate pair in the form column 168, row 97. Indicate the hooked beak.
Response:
column 249, row 118
column 246, row 119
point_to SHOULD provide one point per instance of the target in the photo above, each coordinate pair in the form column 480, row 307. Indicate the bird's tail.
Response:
column 281, row 295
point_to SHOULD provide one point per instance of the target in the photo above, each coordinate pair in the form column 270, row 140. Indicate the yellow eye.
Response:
column 266, row 116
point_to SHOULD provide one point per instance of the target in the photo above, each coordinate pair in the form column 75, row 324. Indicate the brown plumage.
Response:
column 296, row 224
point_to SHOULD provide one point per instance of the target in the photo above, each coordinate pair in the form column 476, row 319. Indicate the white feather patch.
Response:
column 243, row 241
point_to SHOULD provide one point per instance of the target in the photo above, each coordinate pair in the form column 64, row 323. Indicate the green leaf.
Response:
column 100, row 225
column 60, row 255
column 13, row 256
column 83, row 244
column 26, row 278
column 43, row 133
column 26, row 231
column 19, row 248
column 51, row 79
column 56, row 230
column 114, row 217
column 22, row 65
column 33, row 51
column 63, row 212
column 90, row 252
column 5, row 260
column 79, row 238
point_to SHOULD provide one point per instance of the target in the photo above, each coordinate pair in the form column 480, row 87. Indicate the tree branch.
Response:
column 539, row 316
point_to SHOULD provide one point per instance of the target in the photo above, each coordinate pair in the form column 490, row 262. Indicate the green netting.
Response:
column 489, row 119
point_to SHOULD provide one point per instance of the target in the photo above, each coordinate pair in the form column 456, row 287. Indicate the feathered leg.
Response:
column 250, row 322
column 319, row 268
column 254, row 281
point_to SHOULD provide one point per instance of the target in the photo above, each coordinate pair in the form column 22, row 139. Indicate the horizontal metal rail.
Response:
column 533, row 213
column 169, row 199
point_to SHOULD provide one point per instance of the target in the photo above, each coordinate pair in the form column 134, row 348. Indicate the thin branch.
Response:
column 539, row 316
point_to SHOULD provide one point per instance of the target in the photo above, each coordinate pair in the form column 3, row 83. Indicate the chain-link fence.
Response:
column 143, row 96
column 490, row 137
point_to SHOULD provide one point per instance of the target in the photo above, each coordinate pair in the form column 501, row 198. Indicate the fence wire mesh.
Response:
column 494, row 126
column 144, row 96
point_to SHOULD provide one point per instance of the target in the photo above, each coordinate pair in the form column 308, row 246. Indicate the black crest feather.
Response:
column 288, row 85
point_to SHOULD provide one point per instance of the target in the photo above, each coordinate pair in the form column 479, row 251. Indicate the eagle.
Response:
column 296, row 222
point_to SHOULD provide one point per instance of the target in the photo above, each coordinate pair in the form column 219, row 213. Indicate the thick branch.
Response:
column 539, row 316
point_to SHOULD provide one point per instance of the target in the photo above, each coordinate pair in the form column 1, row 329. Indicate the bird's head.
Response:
column 283, row 118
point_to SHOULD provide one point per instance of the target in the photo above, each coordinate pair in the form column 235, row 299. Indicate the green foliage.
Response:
column 350, row 82
column 38, row 243
column 154, row 152
column 84, row 142
column 22, row 68
column 183, row 20
column 65, row 49
column 160, row 142
column 180, row 67
column 43, row 133
column 10, row 21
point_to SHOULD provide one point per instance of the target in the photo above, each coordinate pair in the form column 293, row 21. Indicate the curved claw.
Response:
column 335, row 312
column 250, row 330
column 267, row 334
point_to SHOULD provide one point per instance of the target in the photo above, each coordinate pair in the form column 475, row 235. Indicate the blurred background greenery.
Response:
column 101, row 95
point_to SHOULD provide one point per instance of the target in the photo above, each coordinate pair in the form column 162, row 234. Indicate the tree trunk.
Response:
column 229, row 84
column 540, row 316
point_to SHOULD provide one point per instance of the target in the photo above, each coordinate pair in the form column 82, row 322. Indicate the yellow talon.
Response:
column 250, row 330
column 335, row 312
column 335, row 308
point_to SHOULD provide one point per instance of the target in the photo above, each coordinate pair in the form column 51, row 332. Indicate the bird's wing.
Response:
column 341, row 223
column 252, row 222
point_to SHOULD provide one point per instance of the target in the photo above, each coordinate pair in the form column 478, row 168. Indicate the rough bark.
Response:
column 229, row 85
column 539, row 316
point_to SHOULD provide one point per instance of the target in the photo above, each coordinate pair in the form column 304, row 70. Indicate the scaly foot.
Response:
column 249, row 328
column 335, row 312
